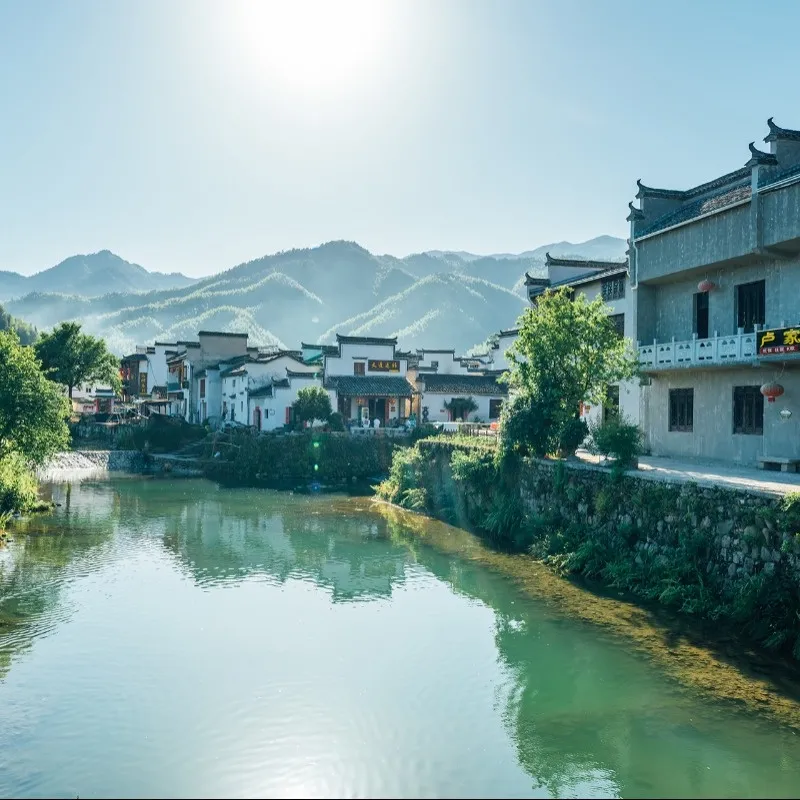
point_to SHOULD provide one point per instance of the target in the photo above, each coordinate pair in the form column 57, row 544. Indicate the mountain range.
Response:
column 90, row 276
column 444, row 299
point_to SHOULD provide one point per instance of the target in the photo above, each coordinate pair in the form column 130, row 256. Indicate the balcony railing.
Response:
column 738, row 348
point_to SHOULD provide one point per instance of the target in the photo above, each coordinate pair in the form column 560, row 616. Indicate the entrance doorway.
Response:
column 377, row 408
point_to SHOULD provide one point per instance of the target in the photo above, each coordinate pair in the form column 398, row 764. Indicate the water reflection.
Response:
column 411, row 672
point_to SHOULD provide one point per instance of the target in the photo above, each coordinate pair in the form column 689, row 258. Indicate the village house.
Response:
column 191, row 358
column 144, row 377
column 449, row 385
column 245, row 387
column 716, row 274
column 608, row 280
column 368, row 380
column 271, row 403
column 505, row 339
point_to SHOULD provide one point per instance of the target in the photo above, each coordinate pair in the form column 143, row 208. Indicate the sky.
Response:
column 193, row 135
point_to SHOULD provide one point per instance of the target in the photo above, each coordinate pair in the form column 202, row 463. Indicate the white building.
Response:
column 191, row 358
column 609, row 280
column 368, row 378
column 240, row 381
column 505, row 339
column 270, row 405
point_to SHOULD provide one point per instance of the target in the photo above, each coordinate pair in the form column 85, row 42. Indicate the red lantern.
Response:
column 706, row 286
column 771, row 390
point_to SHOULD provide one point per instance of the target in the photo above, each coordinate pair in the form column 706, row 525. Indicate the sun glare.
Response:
column 310, row 44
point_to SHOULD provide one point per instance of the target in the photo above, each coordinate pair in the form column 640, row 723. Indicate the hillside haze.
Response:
column 434, row 299
column 90, row 275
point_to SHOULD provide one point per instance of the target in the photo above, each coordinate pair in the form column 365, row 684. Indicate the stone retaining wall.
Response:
column 111, row 460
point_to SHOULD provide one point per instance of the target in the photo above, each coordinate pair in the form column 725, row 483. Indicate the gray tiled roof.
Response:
column 463, row 384
column 365, row 339
column 776, row 133
column 698, row 208
column 326, row 349
column 552, row 261
column 369, row 385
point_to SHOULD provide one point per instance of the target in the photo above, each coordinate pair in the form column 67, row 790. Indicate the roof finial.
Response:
column 635, row 213
column 759, row 157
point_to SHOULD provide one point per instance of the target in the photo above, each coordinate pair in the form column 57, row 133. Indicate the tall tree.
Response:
column 567, row 352
column 312, row 403
column 33, row 412
column 72, row 358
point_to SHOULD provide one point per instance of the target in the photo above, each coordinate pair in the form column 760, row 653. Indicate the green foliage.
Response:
column 619, row 438
column 312, row 403
column 248, row 459
column 460, row 407
column 572, row 435
column 423, row 431
column 72, row 358
column 17, row 484
column 33, row 413
column 566, row 353
column 336, row 422
column 529, row 426
column 161, row 434
column 27, row 333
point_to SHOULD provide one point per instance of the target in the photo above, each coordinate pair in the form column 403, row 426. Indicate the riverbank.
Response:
column 692, row 652
column 721, row 555
column 289, row 460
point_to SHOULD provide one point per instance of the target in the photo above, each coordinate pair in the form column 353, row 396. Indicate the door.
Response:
column 257, row 418
column 381, row 409
column 701, row 315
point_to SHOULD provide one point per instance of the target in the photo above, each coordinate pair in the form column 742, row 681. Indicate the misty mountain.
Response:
column 90, row 276
column 435, row 300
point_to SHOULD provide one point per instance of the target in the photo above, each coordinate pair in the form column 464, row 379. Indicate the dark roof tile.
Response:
column 369, row 385
column 463, row 384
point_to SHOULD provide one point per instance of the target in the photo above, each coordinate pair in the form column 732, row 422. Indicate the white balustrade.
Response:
column 740, row 347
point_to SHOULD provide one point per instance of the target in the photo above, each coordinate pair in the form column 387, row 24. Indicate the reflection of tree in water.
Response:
column 46, row 553
column 588, row 720
column 243, row 533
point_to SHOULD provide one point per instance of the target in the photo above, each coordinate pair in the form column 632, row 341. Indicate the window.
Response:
column 241, row 408
column 359, row 368
column 202, row 387
column 611, row 405
column 681, row 410
column 434, row 365
column 495, row 406
column 618, row 321
column 750, row 305
column 613, row 288
column 748, row 410
column 234, row 383
column 701, row 315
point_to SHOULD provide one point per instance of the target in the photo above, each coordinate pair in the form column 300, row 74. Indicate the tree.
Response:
column 72, row 358
column 26, row 332
column 33, row 412
column 567, row 352
column 461, row 407
column 312, row 403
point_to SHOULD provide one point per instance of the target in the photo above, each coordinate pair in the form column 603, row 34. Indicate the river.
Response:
column 172, row 638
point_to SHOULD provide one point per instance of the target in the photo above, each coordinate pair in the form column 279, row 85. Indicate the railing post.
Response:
column 715, row 348
column 694, row 348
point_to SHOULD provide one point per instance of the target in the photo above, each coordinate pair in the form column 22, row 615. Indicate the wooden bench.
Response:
column 786, row 464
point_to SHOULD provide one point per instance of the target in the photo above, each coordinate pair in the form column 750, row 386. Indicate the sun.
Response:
column 310, row 45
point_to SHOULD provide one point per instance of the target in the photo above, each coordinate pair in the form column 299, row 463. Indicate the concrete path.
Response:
column 710, row 473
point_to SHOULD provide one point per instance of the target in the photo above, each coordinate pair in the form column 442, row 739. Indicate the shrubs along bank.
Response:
column 244, row 458
column 717, row 554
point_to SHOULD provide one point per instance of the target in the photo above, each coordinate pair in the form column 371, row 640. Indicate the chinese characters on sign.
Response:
column 783, row 340
column 384, row 366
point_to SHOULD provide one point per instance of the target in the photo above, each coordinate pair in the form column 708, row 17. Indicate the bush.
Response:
column 573, row 433
column 424, row 431
column 528, row 427
column 312, row 403
column 336, row 422
column 17, row 484
column 164, row 434
column 619, row 438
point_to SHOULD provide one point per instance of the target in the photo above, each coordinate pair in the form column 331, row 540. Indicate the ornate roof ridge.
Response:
column 776, row 133
column 651, row 191
column 759, row 157
column 695, row 191
column 582, row 263
column 634, row 213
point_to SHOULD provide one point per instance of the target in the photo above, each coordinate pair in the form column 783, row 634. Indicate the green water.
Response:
column 173, row 638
